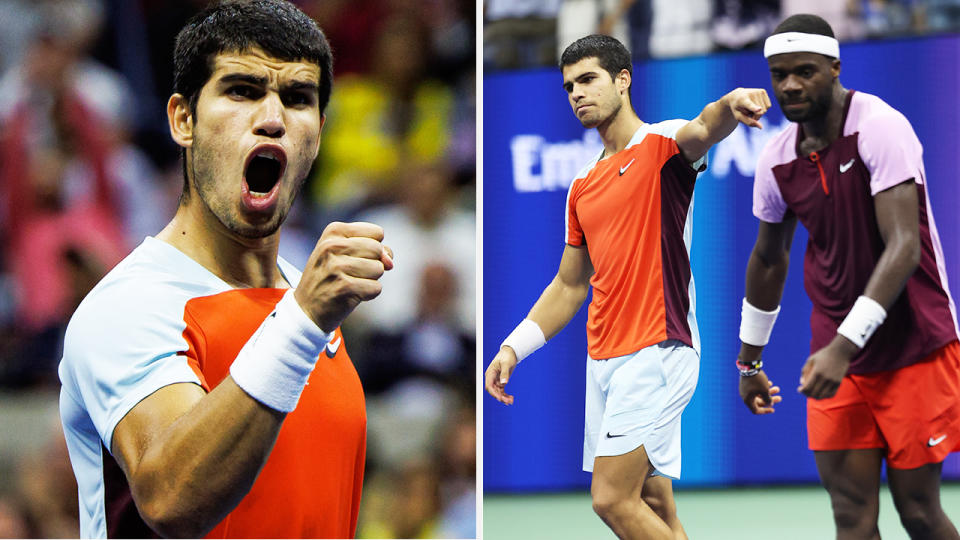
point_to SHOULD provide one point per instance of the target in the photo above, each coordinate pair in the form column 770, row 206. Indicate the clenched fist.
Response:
column 748, row 105
column 342, row 271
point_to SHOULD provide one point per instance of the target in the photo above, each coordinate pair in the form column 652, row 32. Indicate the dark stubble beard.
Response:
column 819, row 106
column 204, row 176
column 613, row 114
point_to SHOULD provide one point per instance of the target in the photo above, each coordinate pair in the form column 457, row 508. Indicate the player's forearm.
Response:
column 557, row 306
column 197, row 471
column 711, row 126
column 765, row 280
column 897, row 263
column 764, row 287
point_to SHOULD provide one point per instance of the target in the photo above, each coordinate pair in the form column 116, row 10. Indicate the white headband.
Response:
column 792, row 42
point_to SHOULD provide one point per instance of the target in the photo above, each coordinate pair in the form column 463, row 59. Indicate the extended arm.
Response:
column 766, row 276
column 190, row 456
column 718, row 119
column 897, row 210
column 556, row 306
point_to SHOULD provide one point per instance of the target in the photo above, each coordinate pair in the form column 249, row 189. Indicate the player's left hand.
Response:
column 821, row 374
column 748, row 105
column 498, row 374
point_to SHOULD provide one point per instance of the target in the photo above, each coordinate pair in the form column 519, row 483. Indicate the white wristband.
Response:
column 525, row 338
column 756, row 324
column 275, row 363
column 864, row 318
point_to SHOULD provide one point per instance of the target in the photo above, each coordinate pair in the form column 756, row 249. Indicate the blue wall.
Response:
column 533, row 146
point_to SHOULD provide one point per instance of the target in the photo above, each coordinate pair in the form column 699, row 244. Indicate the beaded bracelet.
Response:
column 749, row 369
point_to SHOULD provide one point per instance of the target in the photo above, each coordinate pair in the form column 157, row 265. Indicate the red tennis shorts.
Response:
column 912, row 412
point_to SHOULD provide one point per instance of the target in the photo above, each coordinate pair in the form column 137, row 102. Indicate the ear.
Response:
column 835, row 68
column 323, row 120
column 623, row 80
column 180, row 120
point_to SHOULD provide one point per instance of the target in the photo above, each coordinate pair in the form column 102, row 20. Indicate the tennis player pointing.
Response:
column 628, row 224
column 883, row 376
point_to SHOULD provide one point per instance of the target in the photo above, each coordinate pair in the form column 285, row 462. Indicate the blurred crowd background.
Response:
column 530, row 33
column 87, row 170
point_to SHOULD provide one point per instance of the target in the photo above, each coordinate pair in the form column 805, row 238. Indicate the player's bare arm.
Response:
column 897, row 210
column 556, row 306
column 189, row 456
column 720, row 118
column 766, row 276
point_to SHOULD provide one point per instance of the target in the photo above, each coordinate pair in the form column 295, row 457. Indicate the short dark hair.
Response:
column 276, row 26
column 806, row 23
column 609, row 52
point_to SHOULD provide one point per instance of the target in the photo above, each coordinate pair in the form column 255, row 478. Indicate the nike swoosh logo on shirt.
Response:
column 609, row 436
column 627, row 166
column 844, row 167
column 332, row 347
column 938, row 440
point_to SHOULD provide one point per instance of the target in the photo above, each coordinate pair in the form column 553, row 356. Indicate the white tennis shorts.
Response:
column 637, row 400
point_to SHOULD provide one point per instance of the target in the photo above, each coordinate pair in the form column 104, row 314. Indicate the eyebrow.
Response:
column 578, row 78
column 302, row 85
column 262, row 81
column 806, row 65
column 243, row 77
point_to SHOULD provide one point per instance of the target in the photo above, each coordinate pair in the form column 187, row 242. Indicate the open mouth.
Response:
column 264, row 169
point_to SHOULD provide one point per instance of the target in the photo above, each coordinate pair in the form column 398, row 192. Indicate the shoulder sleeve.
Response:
column 768, row 203
column 669, row 129
column 573, row 232
column 125, row 341
column 890, row 150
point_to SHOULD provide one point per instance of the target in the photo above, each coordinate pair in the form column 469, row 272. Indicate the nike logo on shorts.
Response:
column 609, row 436
column 844, row 167
column 934, row 442
column 627, row 166
column 332, row 347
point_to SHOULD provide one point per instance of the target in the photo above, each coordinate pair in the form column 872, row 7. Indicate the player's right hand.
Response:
column 748, row 105
column 498, row 374
column 759, row 394
column 342, row 271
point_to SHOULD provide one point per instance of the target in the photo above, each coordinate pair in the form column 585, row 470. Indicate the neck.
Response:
column 617, row 131
column 827, row 127
column 241, row 262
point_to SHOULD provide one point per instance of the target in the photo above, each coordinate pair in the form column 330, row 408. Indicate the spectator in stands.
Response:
column 380, row 123
column 429, row 228
column 743, row 23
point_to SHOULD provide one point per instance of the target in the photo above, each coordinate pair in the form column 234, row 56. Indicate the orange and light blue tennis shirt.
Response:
column 634, row 213
column 160, row 318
